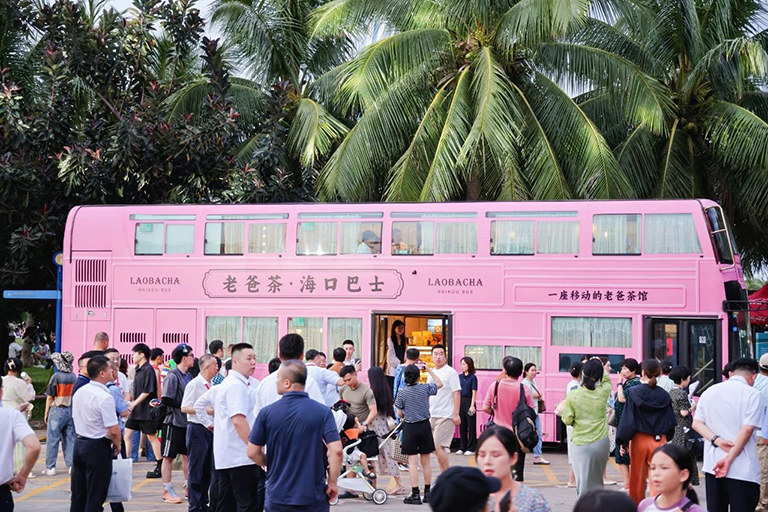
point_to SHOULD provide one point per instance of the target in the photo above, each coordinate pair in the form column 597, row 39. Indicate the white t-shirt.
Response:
column 326, row 380
column 725, row 408
column 266, row 393
column 93, row 410
column 441, row 405
column 233, row 397
column 13, row 428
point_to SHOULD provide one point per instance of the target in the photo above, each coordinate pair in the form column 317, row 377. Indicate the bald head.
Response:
column 101, row 341
column 291, row 376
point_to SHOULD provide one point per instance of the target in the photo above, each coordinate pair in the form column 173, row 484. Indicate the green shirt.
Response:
column 585, row 411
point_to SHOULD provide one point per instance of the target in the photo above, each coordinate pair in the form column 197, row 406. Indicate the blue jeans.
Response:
column 135, row 437
column 61, row 428
column 537, row 448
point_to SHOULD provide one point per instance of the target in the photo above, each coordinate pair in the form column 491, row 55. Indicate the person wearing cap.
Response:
column 761, row 384
column 370, row 243
column 463, row 488
column 175, row 422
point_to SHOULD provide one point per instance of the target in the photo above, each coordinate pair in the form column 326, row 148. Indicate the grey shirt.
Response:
column 173, row 387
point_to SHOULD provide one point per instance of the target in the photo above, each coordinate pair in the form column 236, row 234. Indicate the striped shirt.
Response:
column 414, row 401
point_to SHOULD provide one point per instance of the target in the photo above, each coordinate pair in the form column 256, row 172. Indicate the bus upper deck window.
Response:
column 512, row 237
column 413, row 238
column 616, row 234
column 670, row 233
column 557, row 237
column 179, row 238
column 360, row 238
column 224, row 238
column 266, row 238
column 456, row 238
column 148, row 239
column 316, row 238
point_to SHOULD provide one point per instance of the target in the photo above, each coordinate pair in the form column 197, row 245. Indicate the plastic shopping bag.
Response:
column 121, row 482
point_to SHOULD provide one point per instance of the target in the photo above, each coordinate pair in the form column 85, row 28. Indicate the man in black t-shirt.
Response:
column 144, row 391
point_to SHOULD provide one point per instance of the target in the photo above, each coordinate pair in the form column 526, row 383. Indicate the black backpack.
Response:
column 524, row 423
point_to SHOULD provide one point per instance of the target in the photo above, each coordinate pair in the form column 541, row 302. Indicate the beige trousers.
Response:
column 762, row 455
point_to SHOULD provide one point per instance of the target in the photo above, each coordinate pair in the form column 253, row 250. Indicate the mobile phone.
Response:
column 505, row 502
column 420, row 365
column 154, row 402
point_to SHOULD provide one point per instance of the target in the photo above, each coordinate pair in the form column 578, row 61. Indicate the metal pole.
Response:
column 58, row 308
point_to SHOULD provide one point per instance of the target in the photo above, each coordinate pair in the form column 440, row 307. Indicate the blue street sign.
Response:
column 32, row 294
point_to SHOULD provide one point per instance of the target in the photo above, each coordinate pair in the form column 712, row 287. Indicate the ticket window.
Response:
column 422, row 331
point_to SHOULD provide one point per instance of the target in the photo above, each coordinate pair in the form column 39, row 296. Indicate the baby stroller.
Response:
column 353, row 478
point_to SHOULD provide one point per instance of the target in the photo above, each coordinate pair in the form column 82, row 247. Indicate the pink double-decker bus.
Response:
column 548, row 282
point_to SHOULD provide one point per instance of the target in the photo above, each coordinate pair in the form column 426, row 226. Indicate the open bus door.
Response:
column 423, row 330
column 693, row 342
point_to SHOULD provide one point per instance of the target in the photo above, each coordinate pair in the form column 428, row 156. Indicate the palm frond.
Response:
column 599, row 34
column 677, row 172
column 354, row 17
column 645, row 100
column 530, row 22
column 737, row 136
column 246, row 97
column 638, row 157
column 677, row 32
column 727, row 19
column 313, row 132
column 757, row 103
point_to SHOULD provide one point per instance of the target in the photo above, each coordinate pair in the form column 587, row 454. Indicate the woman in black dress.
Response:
column 681, row 404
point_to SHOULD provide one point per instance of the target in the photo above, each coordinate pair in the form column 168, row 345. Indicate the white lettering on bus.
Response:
column 154, row 280
column 458, row 281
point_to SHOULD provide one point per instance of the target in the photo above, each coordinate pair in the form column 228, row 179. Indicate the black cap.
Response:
column 462, row 488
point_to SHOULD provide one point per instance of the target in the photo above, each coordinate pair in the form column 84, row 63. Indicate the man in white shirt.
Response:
column 444, row 407
column 727, row 416
column 122, row 381
column 240, row 480
column 290, row 346
column 351, row 360
column 14, row 429
column 327, row 380
column 98, row 438
column 199, row 437
column 761, row 384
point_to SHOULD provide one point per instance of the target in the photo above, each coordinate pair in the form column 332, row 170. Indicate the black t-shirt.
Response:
column 144, row 382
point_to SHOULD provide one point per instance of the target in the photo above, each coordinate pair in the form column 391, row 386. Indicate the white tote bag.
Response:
column 122, row 481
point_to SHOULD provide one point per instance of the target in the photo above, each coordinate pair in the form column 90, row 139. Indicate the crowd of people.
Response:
column 227, row 427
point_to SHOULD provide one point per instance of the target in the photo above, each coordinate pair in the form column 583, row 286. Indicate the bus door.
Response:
column 423, row 330
column 693, row 342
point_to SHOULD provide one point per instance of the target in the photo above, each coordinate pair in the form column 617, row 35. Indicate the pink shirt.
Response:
column 506, row 400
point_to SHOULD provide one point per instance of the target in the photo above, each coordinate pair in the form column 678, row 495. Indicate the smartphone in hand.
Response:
column 505, row 502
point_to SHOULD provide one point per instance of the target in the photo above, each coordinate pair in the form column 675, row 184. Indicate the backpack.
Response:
column 524, row 424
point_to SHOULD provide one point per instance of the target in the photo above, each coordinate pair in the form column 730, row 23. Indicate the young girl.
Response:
column 412, row 404
column 672, row 468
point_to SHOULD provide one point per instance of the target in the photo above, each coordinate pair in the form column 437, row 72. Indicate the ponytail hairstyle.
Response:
column 592, row 372
column 683, row 459
column 651, row 369
column 13, row 364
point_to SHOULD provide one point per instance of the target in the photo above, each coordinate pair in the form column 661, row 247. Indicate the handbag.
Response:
column 611, row 420
column 121, row 482
column 541, row 405
column 491, row 422
column 396, row 451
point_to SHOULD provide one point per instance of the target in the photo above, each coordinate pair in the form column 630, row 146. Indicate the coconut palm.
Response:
column 709, row 59
column 454, row 104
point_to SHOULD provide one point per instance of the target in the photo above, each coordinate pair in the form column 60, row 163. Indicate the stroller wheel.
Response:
column 379, row 496
column 368, row 496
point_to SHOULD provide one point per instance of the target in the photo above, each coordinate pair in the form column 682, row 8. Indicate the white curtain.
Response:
column 224, row 328
column 316, row 238
column 352, row 236
column 525, row 354
column 340, row 329
column 456, row 238
column 616, row 234
column 149, row 238
column 266, row 238
column 670, row 233
column 311, row 329
column 485, row 357
column 179, row 238
column 224, row 238
column 512, row 236
column 557, row 237
column 592, row 332
column 261, row 332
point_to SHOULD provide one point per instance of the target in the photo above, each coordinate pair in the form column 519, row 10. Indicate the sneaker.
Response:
column 413, row 499
column 425, row 499
column 541, row 461
column 469, row 452
column 69, row 470
column 402, row 467
column 459, row 452
column 155, row 473
column 186, row 492
column 609, row 482
column 347, row 495
column 48, row 472
column 171, row 497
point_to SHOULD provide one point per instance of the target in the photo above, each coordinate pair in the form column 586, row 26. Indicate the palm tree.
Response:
column 455, row 104
column 706, row 62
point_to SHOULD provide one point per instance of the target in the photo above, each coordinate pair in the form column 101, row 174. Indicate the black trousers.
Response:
column 519, row 466
column 742, row 496
column 241, row 489
column 200, row 457
column 91, row 472
column 6, row 499
column 468, row 427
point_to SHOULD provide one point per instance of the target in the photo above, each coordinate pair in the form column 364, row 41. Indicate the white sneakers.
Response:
column 48, row 472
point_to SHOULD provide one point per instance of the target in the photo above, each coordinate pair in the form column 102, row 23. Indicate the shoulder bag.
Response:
column 491, row 421
column 542, row 406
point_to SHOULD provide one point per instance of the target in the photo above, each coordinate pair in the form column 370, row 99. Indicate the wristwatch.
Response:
column 714, row 438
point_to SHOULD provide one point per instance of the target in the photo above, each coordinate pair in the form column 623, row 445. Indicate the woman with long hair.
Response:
column 681, row 404
column 629, row 379
column 18, row 393
column 396, row 345
column 497, row 453
column 584, row 409
column 467, row 409
column 648, row 421
column 382, row 392
column 671, row 472
column 530, row 371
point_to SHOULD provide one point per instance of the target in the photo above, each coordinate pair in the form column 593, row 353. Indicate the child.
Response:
column 412, row 404
column 672, row 468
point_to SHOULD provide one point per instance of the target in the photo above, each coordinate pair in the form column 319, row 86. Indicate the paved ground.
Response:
column 51, row 493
